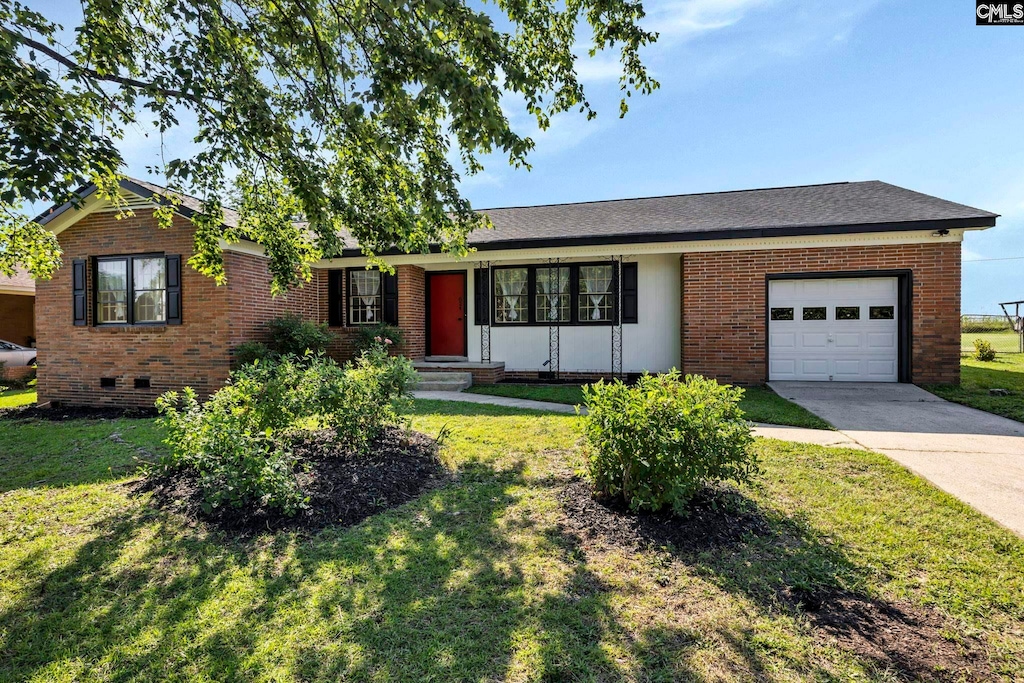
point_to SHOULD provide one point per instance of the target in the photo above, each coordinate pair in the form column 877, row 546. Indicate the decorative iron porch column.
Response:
column 554, row 294
column 485, row 324
column 617, row 321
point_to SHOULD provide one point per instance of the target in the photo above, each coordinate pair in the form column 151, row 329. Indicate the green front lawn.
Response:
column 473, row 581
column 761, row 404
column 569, row 394
column 976, row 378
column 12, row 398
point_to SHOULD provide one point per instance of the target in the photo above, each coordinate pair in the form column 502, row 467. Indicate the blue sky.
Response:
column 762, row 93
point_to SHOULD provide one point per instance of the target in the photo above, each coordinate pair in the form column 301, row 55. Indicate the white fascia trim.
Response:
column 749, row 244
column 93, row 204
column 250, row 248
column 90, row 204
column 18, row 291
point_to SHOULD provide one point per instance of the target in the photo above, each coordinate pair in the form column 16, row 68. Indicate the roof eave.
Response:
column 974, row 222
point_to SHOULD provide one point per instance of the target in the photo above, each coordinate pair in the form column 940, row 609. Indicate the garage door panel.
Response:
column 844, row 369
column 814, row 367
column 783, row 368
column 786, row 340
column 840, row 340
column 817, row 340
column 814, row 289
column 881, row 368
column 881, row 340
column 848, row 340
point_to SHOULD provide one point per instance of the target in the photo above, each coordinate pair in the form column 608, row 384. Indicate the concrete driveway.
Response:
column 976, row 456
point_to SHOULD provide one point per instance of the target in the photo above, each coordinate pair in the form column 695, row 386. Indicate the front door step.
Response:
column 444, row 381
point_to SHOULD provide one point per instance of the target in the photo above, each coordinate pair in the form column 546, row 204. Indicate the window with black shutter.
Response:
column 142, row 289
column 80, row 305
column 372, row 297
column 630, row 294
column 571, row 294
column 481, row 287
column 336, row 298
column 390, row 298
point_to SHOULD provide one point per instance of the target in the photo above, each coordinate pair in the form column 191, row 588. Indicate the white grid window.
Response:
column 112, row 291
column 511, row 302
column 554, row 301
column 149, row 286
column 596, row 303
column 365, row 300
column 131, row 290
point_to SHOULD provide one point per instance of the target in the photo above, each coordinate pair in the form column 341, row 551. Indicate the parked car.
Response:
column 13, row 355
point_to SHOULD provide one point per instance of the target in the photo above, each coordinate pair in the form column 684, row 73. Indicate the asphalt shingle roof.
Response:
column 191, row 203
column 798, row 210
column 869, row 206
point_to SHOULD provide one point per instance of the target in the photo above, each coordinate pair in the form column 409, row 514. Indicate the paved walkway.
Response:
column 976, row 456
column 821, row 437
column 494, row 401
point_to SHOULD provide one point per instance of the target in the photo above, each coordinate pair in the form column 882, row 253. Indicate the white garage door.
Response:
column 842, row 330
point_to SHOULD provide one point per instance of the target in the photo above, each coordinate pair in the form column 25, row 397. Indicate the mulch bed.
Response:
column 897, row 636
column 61, row 413
column 715, row 517
column 344, row 487
column 900, row 635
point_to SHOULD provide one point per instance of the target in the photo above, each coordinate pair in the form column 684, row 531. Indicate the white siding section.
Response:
column 652, row 344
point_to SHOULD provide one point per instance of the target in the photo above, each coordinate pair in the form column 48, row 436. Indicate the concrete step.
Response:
column 444, row 381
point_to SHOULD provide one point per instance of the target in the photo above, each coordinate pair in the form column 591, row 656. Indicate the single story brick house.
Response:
column 840, row 282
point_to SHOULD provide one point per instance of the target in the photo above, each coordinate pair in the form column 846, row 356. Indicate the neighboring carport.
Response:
column 17, row 309
column 976, row 456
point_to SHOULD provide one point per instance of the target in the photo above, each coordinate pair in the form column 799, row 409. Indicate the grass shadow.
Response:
column 40, row 454
column 784, row 565
column 460, row 584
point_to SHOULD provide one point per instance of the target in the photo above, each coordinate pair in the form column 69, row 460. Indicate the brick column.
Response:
column 412, row 306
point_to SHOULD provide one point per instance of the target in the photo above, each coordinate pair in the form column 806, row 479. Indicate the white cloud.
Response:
column 604, row 66
column 680, row 20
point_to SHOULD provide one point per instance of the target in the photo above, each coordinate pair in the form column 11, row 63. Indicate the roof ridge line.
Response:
column 683, row 194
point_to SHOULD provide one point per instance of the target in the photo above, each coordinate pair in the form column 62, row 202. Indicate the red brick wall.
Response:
column 723, row 305
column 17, row 318
column 412, row 302
column 215, row 319
column 73, row 359
column 411, row 308
column 251, row 305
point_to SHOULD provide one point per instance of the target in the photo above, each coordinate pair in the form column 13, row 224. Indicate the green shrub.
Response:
column 291, row 334
column 248, row 352
column 233, row 443
column 237, row 443
column 658, row 442
column 381, row 333
column 983, row 350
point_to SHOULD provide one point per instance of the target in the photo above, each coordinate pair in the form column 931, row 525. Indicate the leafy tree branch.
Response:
column 335, row 119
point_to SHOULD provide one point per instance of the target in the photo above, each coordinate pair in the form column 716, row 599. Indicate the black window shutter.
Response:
column 78, row 291
column 630, row 294
column 390, row 287
column 481, row 296
column 173, row 290
column 336, row 298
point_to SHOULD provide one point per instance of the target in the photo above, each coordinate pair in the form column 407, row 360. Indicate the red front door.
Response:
column 446, row 321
